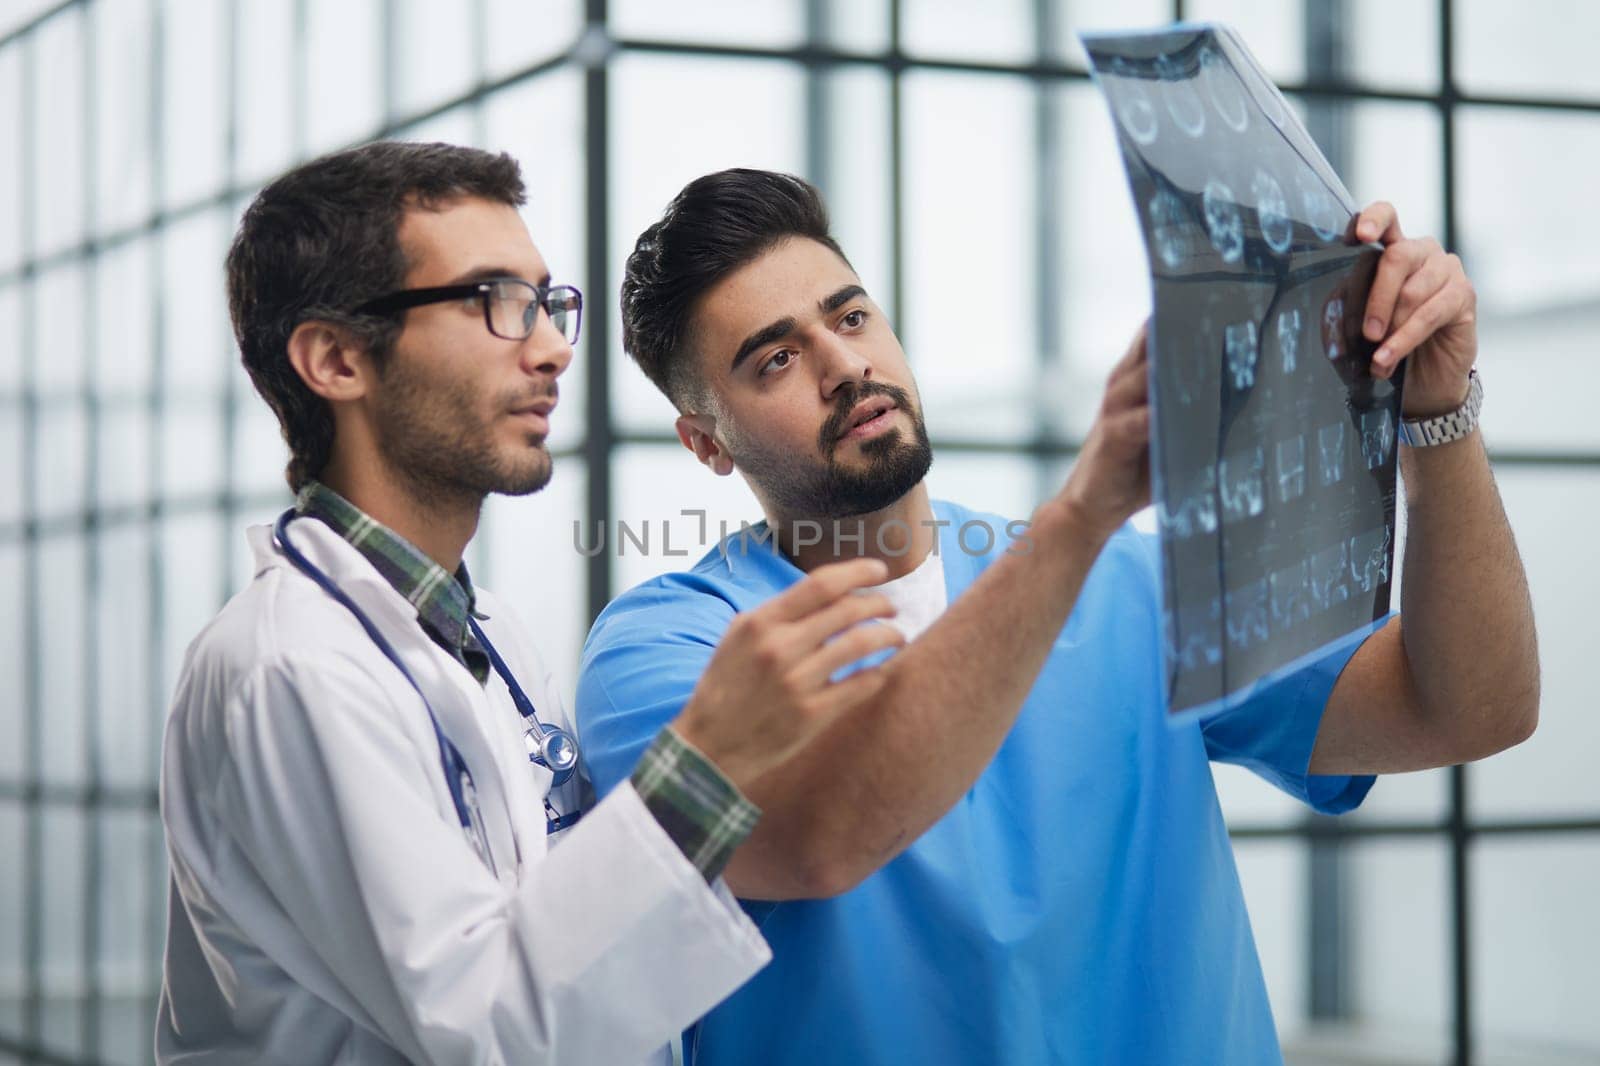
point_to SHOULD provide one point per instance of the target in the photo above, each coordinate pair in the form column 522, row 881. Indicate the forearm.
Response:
column 1467, row 618
column 882, row 775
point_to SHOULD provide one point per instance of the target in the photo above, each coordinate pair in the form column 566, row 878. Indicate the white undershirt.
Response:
column 919, row 597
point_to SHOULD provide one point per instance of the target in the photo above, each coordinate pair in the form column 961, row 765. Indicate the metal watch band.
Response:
column 1426, row 432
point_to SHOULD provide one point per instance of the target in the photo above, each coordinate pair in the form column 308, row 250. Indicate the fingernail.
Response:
column 1382, row 356
column 1374, row 328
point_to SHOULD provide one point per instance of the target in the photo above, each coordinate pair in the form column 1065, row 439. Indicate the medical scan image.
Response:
column 1273, row 447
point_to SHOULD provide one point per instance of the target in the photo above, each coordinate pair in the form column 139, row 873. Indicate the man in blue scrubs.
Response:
column 1009, row 856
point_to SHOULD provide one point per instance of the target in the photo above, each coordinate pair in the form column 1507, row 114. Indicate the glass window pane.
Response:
column 194, row 113
column 1534, row 928
column 1272, row 874
column 1535, row 271
column 11, row 461
column 125, row 336
column 1001, row 31
column 192, row 450
column 126, row 723
column 971, row 324
column 124, row 899
column 122, row 444
column 63, row 891
column 653, row 485
column 60, row 459
column 512, row 41
column 435, row 45
column 1399, row 943
column 1274, row 32
column 57, row 117
column 61, row 304
column 122, row 49
column 12, row 157
column 1539, row 47
column 11, row 355
column 761, row 23
column 1002, row 485
column 525, row 554
column 259, row 453
column 1071, row 17
column 264, row 117
column 1553, row 513
column 655, row 151
column 459, row 125
column 1393, row 44
column 13, row 673
column 191, row 592
column 197, row 349
column 14, row 872
column 344, row 71
column 857, row 180
column 62, row 562
column 1412, row 181
column 858, row 26
column 550, row 148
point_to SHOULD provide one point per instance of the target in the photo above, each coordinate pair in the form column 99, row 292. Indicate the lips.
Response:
column 541, row 407
column 865, row 412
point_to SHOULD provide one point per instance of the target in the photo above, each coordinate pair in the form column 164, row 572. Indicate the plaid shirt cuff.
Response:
column 700, row 809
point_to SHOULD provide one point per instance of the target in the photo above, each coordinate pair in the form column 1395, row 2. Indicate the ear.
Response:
column 697, row 432
column 329, row 362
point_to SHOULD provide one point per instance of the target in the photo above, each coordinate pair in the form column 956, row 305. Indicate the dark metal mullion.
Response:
column 94, row 831
column 1048, row 237
column 155, row 570
column 599, row 440
column 819, row 155
column 897, row 171
column 32, row 591
column 1460, row 837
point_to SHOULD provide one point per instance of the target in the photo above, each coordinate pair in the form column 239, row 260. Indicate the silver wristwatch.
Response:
column 1424, row 432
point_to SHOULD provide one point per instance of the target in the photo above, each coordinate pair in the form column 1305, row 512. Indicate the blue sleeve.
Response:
column 642, row 660
column 1273, row 732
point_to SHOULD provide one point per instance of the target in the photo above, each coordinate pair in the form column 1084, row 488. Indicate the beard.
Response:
column 895, row 463
column 435, row 439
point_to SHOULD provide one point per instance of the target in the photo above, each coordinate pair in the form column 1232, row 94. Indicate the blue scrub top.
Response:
column 1079, row 904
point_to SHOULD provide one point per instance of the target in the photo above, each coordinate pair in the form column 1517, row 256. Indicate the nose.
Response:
column 546, row 350
column 840, row 364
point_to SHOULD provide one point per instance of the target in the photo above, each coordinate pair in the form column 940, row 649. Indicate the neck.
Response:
column 439, row 522
column 901, row 534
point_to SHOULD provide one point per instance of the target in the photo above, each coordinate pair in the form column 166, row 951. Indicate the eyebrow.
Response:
column 493, row 273
column 784, row 326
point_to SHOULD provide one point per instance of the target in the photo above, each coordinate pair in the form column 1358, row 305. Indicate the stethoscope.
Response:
column 548, row 745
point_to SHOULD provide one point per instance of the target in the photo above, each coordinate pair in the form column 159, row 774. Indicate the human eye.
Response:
column 855, row 318
column 779, row 359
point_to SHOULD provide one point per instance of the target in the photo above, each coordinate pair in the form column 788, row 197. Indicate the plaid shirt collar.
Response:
column 443, row 602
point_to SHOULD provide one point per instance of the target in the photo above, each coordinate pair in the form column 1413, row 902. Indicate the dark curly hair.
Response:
column 324, row 238
column 716, row 225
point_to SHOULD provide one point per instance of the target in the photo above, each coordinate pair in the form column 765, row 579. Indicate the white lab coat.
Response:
column 326, row 906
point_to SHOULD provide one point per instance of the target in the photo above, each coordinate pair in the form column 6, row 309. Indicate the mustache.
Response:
column 516, row 402
column 850, row 394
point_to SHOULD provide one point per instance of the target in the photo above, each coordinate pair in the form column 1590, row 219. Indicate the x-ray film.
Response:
column 1273, row 447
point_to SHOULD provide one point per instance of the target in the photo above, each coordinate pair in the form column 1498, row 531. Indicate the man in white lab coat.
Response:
column 367, row 864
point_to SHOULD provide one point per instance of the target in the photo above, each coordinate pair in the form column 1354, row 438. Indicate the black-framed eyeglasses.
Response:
column 510, row 305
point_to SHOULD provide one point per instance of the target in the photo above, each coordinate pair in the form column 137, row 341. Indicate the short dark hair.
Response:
column 716, row 225
column 323, row 239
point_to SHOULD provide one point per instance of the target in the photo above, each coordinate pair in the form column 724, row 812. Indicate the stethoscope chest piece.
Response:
column 552, row 747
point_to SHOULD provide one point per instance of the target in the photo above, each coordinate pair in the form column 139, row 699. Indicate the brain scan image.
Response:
column 1183, row 103
column 1330, row 454
column 1223, row 221
column 1377, row 437
column 1169, row 223
column 1241, row 485
column 1318, row 208
column 1325, row 572
column 1273, row 212
column 1272, row 445
column 1289, row 338
column 1242, row 348
column 1291, row 455
column 1290, row 598
column 1332, row 326
column 1226, row 92
column 1246, row 611
column 1136, row 112
column 1369, row 558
